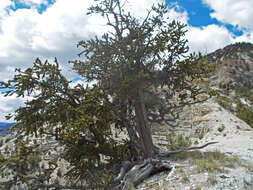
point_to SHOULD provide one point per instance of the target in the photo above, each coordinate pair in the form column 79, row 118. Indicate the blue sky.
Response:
column 199, row 14
column 52, row 28
column 40, row 7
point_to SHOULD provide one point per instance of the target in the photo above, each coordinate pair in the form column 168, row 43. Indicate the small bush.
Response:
column 201, row 134
column 185, row 177
column 59, row 173
column 244, row 113
column 220, row 129
column 212, row 92
column 225, row 102
column 196, row 142
column 7, row 140
column 177, row 142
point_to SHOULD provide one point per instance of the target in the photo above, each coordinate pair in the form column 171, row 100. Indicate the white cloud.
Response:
column 178, row 16
column 202, row 39
column 26, row 34
column 4, row 5
column 140, row 7
column 208, row 38
column 247, row 37
column 211, row 37
column 236, row 12
column 9, row 105
column 34, row 2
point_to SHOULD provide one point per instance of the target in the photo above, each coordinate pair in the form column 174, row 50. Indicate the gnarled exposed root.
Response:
column 135, row 173
column 141, row 171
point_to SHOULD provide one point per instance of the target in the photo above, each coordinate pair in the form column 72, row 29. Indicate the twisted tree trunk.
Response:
column 142, row 126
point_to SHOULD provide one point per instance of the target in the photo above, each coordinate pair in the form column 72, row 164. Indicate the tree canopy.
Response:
column 137, row 67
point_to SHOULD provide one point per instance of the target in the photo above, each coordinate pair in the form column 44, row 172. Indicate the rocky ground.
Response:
column 227, row 165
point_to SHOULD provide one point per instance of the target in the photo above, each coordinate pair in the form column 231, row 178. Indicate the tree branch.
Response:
column 166, row 154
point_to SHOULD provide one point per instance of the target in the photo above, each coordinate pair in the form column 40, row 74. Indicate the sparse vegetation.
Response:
column 177, row 142
column 201, row 134
column 165, row 184
column 185, row 176
column 199, row 187
column 212, row 178
column 244, row 112
column 196, row 142
column 217, row 161
column 209, row 161
column 225, row 102
column 220, row 129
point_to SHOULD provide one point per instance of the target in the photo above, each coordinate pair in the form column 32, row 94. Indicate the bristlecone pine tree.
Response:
column 131, row 65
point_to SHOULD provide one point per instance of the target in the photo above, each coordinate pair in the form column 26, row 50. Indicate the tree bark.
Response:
column 142, row 125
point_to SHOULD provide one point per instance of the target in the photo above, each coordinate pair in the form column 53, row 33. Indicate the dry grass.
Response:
column 199, row 121
column 216, row 161
column 183, row 174
column 209, row 161
column 212, row 178
column 177, row 142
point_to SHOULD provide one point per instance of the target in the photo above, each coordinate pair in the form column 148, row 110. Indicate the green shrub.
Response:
column 225, row 102
column 244, row 113
column 196, row 142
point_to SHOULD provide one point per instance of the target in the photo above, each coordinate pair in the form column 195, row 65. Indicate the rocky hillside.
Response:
column 227, row 117
column 235, row 70
column 234, row 79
